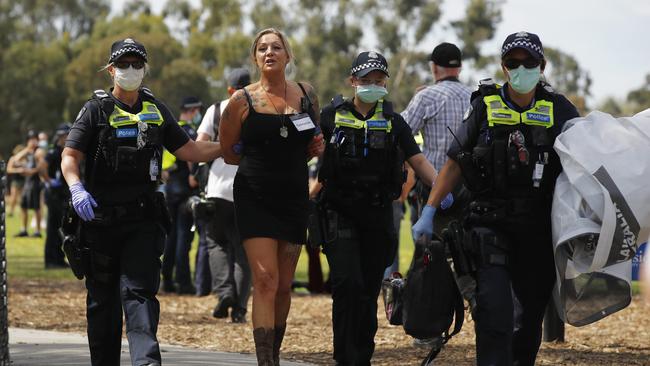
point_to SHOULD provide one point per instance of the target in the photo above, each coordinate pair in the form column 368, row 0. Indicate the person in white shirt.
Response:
column 231, row 276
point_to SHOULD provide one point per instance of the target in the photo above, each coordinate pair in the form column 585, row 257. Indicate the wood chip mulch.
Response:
column 621, row 339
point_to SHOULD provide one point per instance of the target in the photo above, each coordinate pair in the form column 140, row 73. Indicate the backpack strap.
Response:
column 216, row 119
column 459, row 318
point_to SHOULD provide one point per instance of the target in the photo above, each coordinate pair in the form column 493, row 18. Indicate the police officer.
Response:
column 180, row 185
column 121, row 133
column 505, row 154
column 56, row 195
column 362, row 173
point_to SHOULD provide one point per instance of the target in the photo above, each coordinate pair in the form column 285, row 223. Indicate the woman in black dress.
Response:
column 276, row 122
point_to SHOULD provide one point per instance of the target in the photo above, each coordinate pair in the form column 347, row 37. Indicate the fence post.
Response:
column 4, row 331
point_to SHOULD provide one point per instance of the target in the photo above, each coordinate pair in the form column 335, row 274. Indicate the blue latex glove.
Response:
column 447, row 201
column 82, row 202
column 237, row 148
column 424, row 226
column 56, row 183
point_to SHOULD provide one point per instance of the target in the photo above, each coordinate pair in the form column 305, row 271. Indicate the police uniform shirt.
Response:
column 83, row 135
column 475, row 126
column 178, row 177
column 400, row 128
column 474, row 130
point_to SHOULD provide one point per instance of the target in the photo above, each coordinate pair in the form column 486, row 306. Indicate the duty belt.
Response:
column 141, row 209
column 493, row 210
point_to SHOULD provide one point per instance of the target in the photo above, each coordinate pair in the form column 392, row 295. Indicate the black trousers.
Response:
column 357, row 259
column 512, row 298
column 125, row 275
column 231, row 274
column 176, row 258
column 53, row 251
column 202, row 275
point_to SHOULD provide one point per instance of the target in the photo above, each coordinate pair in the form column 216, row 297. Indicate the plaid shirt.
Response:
column 433, row 109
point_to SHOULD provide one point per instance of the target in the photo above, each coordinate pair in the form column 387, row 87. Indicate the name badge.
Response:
column 302, row 122
column 126, row 132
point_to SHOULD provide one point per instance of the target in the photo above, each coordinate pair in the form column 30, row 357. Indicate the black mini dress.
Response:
column 270, row 190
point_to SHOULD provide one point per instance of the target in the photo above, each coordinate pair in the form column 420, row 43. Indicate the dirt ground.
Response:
column 621, row 339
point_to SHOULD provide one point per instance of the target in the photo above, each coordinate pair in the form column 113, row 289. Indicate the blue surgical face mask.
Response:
column 524, row 80
column 371, row 93
column 196, row 120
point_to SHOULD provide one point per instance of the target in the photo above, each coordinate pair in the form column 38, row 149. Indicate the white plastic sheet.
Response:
column 601, row 208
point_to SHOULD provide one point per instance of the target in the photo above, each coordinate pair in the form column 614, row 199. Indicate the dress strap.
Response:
column 249, row 100
column 305, row 103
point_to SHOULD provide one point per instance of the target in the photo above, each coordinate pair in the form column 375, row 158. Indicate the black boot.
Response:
column 277, row 343
column 263, row 338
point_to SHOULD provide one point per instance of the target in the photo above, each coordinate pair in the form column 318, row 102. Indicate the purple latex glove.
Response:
column 447, row 201
column 82, row 202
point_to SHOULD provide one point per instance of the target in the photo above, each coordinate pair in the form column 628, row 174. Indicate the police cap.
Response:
column 62, row 129
column 190, row 102
column 367, row 62
column 525, row 40
column 239, row 78
column 446, row 55
column 127, row 47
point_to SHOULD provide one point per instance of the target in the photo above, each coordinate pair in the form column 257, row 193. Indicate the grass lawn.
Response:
column 25, row 255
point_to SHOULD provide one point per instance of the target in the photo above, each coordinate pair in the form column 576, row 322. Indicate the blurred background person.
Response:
column 15, row 178
column 433, row 111
column 57, row 195
column 31, row 194
column 180, row 185
column 231, row 275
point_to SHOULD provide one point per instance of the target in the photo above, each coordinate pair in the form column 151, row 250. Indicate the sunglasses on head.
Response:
column 125, row 64
column 513, row 63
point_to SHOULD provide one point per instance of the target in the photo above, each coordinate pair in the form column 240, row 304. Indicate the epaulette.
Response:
column 547, row 87
column 105, row 101
column 338, row 101
column 388, row 109
column 147, row 92
column 485, row 87
column 101, row 94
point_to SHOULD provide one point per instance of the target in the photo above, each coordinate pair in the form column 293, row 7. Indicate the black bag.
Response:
column 431, row 298
column 391, row 289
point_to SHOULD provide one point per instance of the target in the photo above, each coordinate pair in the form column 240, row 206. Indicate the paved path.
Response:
column 29, row 347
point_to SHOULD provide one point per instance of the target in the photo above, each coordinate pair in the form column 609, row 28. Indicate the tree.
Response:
column 567, row 77
column 33, row 91
column 640, row 98
column 479, row 25
column 611, row 106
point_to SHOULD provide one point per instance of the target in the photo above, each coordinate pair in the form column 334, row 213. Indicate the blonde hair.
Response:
column 283, row 39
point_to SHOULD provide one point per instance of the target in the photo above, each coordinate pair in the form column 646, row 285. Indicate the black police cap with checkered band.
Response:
column 367, row 62
column 127, row 47
column 528, row 41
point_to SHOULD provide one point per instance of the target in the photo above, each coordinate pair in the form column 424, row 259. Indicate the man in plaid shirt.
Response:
column 432, row 110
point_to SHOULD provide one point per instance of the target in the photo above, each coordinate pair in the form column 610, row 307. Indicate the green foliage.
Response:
column 567, row 77
column 181, row 78
column 55, row 51
column 640, row 98
column 480, row 23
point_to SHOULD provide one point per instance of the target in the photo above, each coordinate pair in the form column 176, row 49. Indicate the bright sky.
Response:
column 606, row 37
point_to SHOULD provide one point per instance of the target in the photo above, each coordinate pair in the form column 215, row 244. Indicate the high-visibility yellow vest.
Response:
column 498, row 113
column 377, row 122
column 149, row 114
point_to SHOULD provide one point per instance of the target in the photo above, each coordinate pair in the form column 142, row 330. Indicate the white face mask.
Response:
column 129, row 79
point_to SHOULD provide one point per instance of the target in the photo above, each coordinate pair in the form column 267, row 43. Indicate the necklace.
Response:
column 284, row 131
